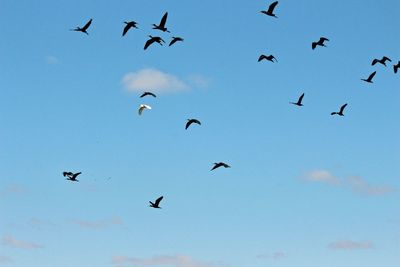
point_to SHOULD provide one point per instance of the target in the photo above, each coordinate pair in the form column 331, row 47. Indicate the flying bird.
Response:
column 320, row 42
column 340, row 113
column 269, row 58
column 130, row 24
column 152, row 40
column 175, row 39
column 298, row 103
column 270, row 11
column 84, row 28
column 382, row 61
column 71, row 176
column 148, row 93
column 396, row 67
column 156, row 204
column 143, row 107
column 190, row 121
column 370, row 77
column 220, row 164
column 161, row 26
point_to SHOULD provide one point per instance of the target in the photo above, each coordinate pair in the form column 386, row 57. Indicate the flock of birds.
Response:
column 157, row 39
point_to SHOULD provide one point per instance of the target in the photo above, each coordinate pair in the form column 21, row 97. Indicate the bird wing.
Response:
column 323, row 39
column 197, row 121
column 272, row 57
column 261, row 58
column 374, row 62
column 158, row 200
column 141, row 110
column 371, row 76
column 75, row 175
column 386, row 58
column 163, row 20
column 174, row 40
column 395, row 67
column 216, row 165
column 225, row 165
column 300, row 98
column 313, row 45
column 188, row 124
column 342, row 108
column 67, row 173
column 126, row 29
column 87, row 25
column 272, row 7
column 148, row 43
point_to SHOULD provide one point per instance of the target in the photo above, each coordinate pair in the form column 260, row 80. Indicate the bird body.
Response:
column 175, row 39
column 370, row 77
column 156, row 204
column 340, row 113
column 142, row 107
column 148, row 93
column 270, row 10
column 71, row 176
column 298, row 103
column 153, row 39
column 84, row 28
column 190, row 121
column 161, row 26
column 130, row 24
column 220, row 164
column 269, row 58
column 320, row 42
column 381, row 61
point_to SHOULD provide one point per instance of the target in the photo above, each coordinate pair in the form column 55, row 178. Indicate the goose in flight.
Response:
column 220, row 164
column 298, row 103
column 320, row 42
column 381, row 61
column 269, row 58
column 340, row 113
column 190, row 121
column 370, row 77
column 175, row 39
column 270, row 11
column 130, row 24
column 84, row 28
column 148, row 93
column 143, row 107
column 161, row 26
column 71, row 176
column 396, row 67
column 156, row 204
column 152, row 40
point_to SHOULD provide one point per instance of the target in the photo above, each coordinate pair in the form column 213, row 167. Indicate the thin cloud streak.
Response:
column 99, row 224
column 277, row 255
column 13, row 242
column 351, row 245
column 161, row 260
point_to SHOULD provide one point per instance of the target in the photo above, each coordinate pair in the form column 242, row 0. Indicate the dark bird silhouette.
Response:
column 130, row 24
column 148, row 93
column 220, row 164
column 156, row 204
column 382, row 61
column 161, row 26
column 270, row 11
column 190, row 121
column 84, row 28
column 71, row 176
column 320, row 42
column 370, row 77
column 175, row 39
column 269, row 58
column 396, row 67
column 340, row 113
column 152, row 40
column 298, row 103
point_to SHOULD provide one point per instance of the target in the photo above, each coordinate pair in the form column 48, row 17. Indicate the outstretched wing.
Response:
column 371, row 76
column 87, row 25
column 148, row 43
column 126, row 29
column 374, row 62
column 323, row 39
column 173, row 41
column 188, row 124
column 158, row 200
column 313, row 45
column 272, row 7
column 386, row 58
column 163, row 20
column 261, row 58
column 342, row 108
column 300, row 98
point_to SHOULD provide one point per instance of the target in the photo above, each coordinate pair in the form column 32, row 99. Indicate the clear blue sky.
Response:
column 306, row 189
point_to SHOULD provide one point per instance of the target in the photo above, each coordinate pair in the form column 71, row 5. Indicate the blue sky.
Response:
column 305, row 189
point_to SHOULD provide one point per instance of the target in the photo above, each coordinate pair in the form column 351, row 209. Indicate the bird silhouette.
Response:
column 340, row 113
column 298, row 103
column 156, row 204
column 84, row 28
column 148, row 93
column 220, row 164
column 320, row 42
column 161, row 26
column 269, row 58
column 152, row 40
column 130, row 24
column 270, row 11
column 190, row 121
column 143, row 107
column 175, row 39
column 396, row 67
column 71, row 176
column 370, row 77
column 381, row 61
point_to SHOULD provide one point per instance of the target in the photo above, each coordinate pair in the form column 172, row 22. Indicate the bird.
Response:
column 396, row 67
column 270, row 11
column 340, row 113
column 382, row 61
column 220, row 164
column 370, row 77
column 130, row 24
column 161, row 26
column 190, row 121
column 298, row 103
column 143, row 107
column 175, row 39
column 84, row 28
column 320, row 42
column 269, row 58
column 148, row 93
column 71, row 176
column 156, row 204
column 152, row 39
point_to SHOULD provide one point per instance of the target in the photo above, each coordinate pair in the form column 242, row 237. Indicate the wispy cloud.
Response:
column 99, row 224
column 277, row 255
column 52, row 60
column 16, row 243
column 5, row 259
column 12, row 190
column 321, row 176
column 199, row 81
column 351, row 245
column 162, row 260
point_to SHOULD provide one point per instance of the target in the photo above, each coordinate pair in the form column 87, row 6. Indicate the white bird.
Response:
column 143, row 107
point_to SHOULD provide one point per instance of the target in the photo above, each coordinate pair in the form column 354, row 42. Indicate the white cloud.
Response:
column 162, row 260
column 153, row 80
column 351, row 245
column 51, row 60
column 277, row 255
column 360, row 186
column 321, row 176
column 98, row 224
column 13, row 242
column 198, row 80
